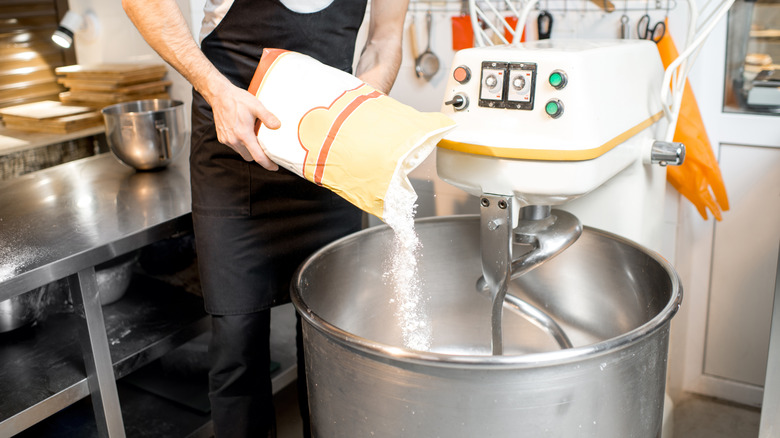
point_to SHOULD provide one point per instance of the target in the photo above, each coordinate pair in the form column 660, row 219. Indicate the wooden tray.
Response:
column 55, row 125
column 44, row 109
column 100, row 100
column 123, row 94
column 113, row 74
column 75, row 85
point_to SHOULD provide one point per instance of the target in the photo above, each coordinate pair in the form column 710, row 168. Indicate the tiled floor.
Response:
column 694, row 417
column 288, row 419
column 702, row 417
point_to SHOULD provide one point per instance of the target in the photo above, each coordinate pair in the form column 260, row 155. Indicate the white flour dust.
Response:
column 401, row 271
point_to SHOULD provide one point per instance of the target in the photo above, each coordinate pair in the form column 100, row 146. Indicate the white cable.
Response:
column 693, row 19
column 512, row 8
column 679, row 68
column 491, row 25
column 523, row 18
column 476, row 28
column 513, row 12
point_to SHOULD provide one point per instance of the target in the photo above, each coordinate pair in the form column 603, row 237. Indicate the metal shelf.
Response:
column 147, row 415
column 42, row 368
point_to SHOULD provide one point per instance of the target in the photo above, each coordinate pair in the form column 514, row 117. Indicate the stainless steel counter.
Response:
column 61, row 222
column 58, row 221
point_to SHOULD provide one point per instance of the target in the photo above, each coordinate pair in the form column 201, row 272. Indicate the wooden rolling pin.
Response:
column 606, row 5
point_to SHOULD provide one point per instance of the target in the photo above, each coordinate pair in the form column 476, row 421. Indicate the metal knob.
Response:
column 491, row 81
column 458, row 101
column 518, row 82
column 667, row 153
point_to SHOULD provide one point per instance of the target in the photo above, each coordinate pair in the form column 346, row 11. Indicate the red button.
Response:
column 462, row 74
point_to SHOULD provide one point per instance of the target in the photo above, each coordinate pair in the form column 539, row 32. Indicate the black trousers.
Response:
column 246, row 263
column 253, row 228
column 239, row 379
column 240, row 388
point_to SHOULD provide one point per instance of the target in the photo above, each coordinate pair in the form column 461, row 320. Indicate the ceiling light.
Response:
column 72, row 23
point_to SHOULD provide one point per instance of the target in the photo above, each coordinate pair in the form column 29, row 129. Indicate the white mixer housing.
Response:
column 549, row 121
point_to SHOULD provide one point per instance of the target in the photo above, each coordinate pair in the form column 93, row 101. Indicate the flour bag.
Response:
column 339, row 132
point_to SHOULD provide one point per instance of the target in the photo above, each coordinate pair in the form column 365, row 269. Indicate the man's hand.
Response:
column 235, row 112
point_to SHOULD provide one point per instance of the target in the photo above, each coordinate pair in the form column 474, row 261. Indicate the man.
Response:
column 254, row 224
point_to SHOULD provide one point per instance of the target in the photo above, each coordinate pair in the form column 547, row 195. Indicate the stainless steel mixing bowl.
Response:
column 613, row 298
column 113, row 277
column 146, row 134
column 18, row 311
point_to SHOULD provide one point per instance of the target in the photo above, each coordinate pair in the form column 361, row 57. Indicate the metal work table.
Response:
column 12, row 140
column 61, row 222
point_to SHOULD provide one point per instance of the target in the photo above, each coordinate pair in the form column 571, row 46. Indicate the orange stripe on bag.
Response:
column 269, row 58
column 328, row 121
column 323, row 155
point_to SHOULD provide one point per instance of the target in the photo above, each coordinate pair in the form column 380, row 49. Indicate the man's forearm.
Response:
column 235, row 110
column 162, row 25
column 381, row 58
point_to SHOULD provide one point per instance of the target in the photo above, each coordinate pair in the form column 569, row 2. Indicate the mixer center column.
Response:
column 496, row 243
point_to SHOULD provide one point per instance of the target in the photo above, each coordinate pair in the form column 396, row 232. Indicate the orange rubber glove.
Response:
column 699, row 178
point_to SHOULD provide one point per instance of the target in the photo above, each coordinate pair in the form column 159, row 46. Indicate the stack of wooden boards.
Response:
column 106, row 84
column 90, row 88
column 50, row 117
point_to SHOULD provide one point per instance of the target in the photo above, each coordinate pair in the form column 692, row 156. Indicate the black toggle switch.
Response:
column 459, row 102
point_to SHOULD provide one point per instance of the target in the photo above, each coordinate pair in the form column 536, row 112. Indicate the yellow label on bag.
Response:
column 320, row 127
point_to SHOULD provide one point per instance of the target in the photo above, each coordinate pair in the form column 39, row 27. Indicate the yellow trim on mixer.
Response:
column 545, row 154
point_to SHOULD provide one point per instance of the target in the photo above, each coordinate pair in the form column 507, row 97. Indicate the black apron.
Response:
column 254, row 227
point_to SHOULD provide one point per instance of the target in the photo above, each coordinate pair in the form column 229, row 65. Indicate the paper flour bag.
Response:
column 339, row 132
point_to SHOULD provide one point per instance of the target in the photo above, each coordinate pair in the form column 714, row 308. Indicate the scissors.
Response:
column 645, row 32
column 544, row 24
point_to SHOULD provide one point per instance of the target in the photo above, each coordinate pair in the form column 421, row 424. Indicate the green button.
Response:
column 552, row 108
column 556, row 79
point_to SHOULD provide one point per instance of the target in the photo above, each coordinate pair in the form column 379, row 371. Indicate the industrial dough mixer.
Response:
column 541, row 327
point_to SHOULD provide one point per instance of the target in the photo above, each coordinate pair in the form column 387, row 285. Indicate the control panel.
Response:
column 507, row 85
column 552, row 100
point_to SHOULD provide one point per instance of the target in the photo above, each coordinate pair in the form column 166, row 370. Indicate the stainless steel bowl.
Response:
column 19, row 311
column 113, row 277
column 613, row 298
column 146, row 134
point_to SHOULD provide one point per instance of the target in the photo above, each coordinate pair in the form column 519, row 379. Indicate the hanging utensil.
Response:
column 413, row 38
column 462, row 31
column 427, row 63
column 647, row 32
column 544, row 23
column 605, row 5
column 511, row 21
column 625, row 28
column 653, row 33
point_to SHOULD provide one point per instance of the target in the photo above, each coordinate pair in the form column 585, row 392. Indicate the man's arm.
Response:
column 162, row 25
column 379, row 62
